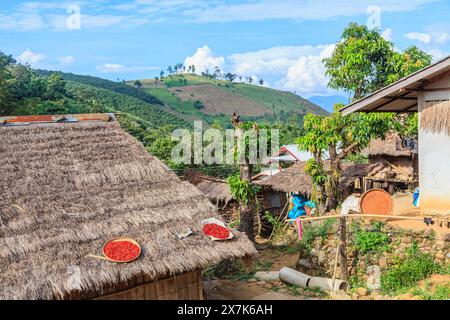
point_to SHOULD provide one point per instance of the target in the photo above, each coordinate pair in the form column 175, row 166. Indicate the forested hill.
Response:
column 212, row 99
column 176, row 100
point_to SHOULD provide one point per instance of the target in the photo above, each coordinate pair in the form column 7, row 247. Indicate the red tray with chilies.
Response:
column 216, row 229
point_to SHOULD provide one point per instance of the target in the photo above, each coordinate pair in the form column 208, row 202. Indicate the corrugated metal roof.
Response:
column 400, row 96
column 291, row 153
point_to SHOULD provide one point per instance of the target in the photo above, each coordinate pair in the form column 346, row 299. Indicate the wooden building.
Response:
column 427, row 92
column 68, row 184
column 277, row 189
column 396, row 164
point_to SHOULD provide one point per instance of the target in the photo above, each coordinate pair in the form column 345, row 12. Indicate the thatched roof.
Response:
column 67, row 188
column 213, row 188
column 295, row 179
column 390, row 146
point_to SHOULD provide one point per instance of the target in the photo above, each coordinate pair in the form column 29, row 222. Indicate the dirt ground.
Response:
column 273, row 259
column 403, row 206
column 217, row 101
column 252, row 289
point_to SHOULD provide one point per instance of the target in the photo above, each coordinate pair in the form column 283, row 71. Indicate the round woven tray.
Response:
column 376, row 201
column 122, row 239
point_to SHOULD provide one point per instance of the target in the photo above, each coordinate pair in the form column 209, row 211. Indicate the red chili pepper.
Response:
column 121, row 250
column 216, row 231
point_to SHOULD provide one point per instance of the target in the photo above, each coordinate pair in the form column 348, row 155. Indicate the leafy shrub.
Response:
column 315, row 230
column 414, row 267
column 241, row 190
column 198, row 105
column 367, row 241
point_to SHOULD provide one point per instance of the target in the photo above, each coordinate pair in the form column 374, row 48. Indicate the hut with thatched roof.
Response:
column 215, row 189
column 68, row 184
column 295, row 180
column 395, row 163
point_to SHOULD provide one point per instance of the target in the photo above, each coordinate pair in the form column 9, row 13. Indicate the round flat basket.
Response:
column 122, row 239
column 376, row 201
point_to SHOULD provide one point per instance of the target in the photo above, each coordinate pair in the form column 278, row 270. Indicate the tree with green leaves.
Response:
column 230, row 77
column 338, row 136
column 363, row 61
column 241, row 186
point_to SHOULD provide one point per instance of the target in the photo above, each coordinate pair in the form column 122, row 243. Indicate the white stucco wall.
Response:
column 434, row 158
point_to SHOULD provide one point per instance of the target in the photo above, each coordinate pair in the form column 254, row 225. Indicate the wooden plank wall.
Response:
column 187, row 286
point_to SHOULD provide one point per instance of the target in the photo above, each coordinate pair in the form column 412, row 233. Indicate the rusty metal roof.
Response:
column 65, row 118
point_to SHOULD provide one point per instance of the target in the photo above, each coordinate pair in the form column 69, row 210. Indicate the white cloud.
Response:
column 204, row 59
column 436, row 53
column 307, row 74
column 440, row 32
column 254, row 10
column 293, row 68
column 120, row 68
column 387, row 34
column 419, row 36
column 32, row 58
column 66, row 60
column 21, row 22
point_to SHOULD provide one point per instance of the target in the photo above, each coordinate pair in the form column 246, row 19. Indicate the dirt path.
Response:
column 270, row 259
column 242, row 290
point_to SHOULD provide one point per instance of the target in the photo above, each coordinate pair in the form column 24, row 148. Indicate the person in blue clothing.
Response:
column 298, row 204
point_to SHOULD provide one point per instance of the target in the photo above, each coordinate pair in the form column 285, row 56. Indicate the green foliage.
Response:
column 198, row 105
column 407, row 272
column 23, row 91
column 277, row 224
column 363, row 61
column 367, row 241
column 315, row 170
column 242, row 190
column 440, row 292
column 154, row 115
column 315, row 230
column 339, row 136
column 118, row 87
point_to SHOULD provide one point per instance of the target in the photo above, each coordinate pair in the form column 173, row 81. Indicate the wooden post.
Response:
column 391, row 188
column 343, row 247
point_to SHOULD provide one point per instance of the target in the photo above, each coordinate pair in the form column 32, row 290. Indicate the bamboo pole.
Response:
column 358, row 215
column 343, row 248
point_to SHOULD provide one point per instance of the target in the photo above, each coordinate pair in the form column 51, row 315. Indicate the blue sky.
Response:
column 282, row 42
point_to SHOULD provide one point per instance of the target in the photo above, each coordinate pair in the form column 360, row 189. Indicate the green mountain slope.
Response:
column 209, row 99
column 92, row 94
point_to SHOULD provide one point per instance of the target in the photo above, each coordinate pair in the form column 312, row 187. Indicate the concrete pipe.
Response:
column 267, row 275
column 327, row 284
column 294, row 277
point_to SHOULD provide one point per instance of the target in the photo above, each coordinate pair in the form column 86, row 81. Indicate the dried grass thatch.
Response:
column 435, row 117
column 295, row 179
column 390, row 146
column 215, row 189
column 65, row 189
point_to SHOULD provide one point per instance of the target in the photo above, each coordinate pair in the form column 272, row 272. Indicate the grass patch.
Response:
column 408, row 271
column 315, row 230
column 367, row 241
column 441, row 292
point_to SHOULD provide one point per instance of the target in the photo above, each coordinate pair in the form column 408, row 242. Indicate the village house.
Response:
column 427, row 92
column 69, row 184
column 294, row 180
column 396, row 164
